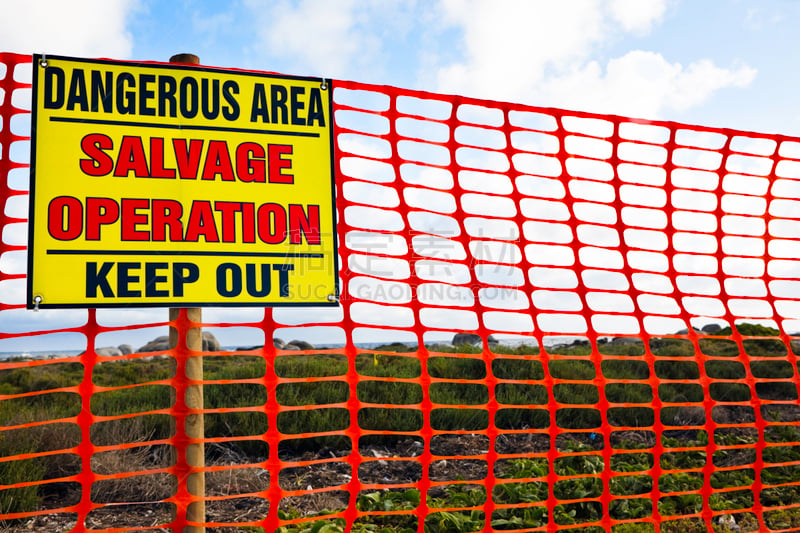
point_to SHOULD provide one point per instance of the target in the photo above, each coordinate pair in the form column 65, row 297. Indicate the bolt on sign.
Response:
column 165, row 185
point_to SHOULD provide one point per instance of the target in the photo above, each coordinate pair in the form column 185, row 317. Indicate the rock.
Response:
column 466, row 338
column 278, row 343
column 626, row 340
column 210, row 342
column 160, row 344
column 291, row 347
column 728, row 521
column 249, row 348
column 460, row 339
column 125, row 349
column 108, row 351
column 301, row 345
column 711, row 328
column 440, row 346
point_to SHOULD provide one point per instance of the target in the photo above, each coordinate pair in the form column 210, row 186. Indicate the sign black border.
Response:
column 30, row 304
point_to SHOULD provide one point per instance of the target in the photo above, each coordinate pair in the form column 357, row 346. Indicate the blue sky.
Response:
column 728, row 63
column 712, row 62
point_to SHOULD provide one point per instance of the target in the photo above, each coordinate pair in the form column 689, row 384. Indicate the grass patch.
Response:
column 317, row 422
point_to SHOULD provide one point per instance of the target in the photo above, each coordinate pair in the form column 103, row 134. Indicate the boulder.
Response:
column 626, row 340
column 276, row 342
column 210, row 342
column 108, row 351
column 440, row 347
column 125, row 349
column 160, row 344
column 301, row 345
column 460, row 339
column 711, row 328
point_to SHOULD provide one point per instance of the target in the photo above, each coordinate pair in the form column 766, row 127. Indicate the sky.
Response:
column 712, row 62
column 725, row 63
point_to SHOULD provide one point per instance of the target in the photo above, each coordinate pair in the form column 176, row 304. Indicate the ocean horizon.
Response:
column 60, row 354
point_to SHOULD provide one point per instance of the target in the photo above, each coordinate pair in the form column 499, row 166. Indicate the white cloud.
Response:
column 642, row 84
column 544, row 53
column 510, row 45
column 343, row 39
column 637, row 16
column 76, row 27
column 703, row 77
column 314, row 31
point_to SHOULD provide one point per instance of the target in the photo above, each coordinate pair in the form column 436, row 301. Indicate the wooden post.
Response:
column 195, row 427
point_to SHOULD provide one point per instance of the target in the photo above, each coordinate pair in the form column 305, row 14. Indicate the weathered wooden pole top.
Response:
column 185, row 58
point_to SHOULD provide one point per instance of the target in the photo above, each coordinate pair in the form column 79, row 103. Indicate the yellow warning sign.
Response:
column 165, row 185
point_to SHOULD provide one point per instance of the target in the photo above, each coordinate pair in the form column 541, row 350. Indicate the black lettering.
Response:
column 266, row 282
column 297, row 106
column 259, row 108
column 279, row 97
column 102, row 91
column 151, row 279
column 125, row 278
column 231, row 111
column 145, row 94
column 283, row 278
column 183, row 273
column 222, row 280
column 210, row 111
column 77, row 91
column 98, row 279
column 316, row 112
column 166, row 95
column 54, row 81
column 126, row 99
column 189, row 97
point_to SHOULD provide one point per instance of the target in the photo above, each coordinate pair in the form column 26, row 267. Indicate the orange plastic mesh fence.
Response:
column 633, row 286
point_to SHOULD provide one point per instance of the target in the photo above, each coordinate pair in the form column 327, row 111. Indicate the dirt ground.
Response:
column 375, row 469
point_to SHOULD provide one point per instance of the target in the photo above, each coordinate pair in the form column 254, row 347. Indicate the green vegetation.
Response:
column 391, row 400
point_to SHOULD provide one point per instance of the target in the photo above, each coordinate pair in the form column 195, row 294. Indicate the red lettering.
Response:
column 201, row 223
column 131, row 158
column 130, row 219
column 301, row 224
column 271, row 223
column 218, row 161
column 157, row 169
column 167, row 214
column 99, row 211
column 250, row 164
column 277, row 163
column 187, row 158
column 65, row 209
column 248, row 222
column 228, row 210
column 100, row 163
